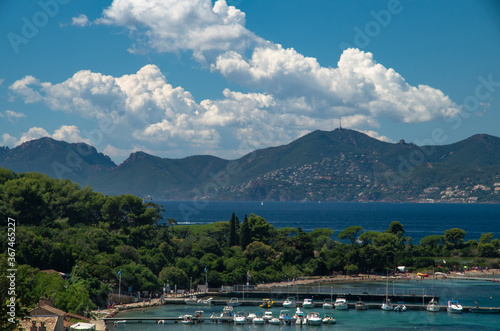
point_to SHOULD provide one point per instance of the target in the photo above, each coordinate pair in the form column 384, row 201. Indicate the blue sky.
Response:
column 183, row 77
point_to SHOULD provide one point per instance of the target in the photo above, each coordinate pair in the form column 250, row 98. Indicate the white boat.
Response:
column 227, row 312
column 329, row 319
column 433, row 306
column 233, row 302
column 328, row 304
column 341, row 303
column 240, row 318
column 387, row 303
column 194, row 301
column 313, row 318
column 275, row 321
column 268, row 315
column 401, row 307
column 308, row 303
column 360, row 305
column 454, row 307
column 187, row 319
column 258, row 319
column 285, row 317
column 251, row 316
column 300, row 317
column 206, row 302
column 290, row 303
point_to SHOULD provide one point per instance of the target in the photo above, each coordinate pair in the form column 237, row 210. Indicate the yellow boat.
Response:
column 266, row 303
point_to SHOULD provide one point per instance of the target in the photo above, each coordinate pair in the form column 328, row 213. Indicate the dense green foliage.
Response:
column 92, row 237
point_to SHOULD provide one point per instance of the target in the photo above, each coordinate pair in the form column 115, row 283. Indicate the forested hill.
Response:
column 341, row 165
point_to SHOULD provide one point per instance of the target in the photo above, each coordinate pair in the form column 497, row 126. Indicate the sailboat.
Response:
column 387, row 303
column 433, row 305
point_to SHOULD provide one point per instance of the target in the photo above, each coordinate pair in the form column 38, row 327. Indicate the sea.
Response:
column 419, row 220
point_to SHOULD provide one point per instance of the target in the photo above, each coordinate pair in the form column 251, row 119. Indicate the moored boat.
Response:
column 401, row 307
column 187, row 319
column 285, row 317
column 266, row 303
column 275, row 321
column 239, row 318
column 308, row 303
column 327, row 304
column 290, row 303
column 268, row 315
column 433, row 306
column 360, row 305
column 341, row 303
column 313, row 318
column 258, row 319
column 454, row 307
column 300, row 317
column 329, row 319
column 233, row 302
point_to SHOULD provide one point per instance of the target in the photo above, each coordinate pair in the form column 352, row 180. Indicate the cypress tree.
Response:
column 232, row 232
column 245, row 234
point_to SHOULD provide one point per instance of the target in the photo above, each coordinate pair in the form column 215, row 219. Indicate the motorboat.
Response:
column 251, row 316
column 329, row 319
column 206, row 302
column 268, row 315
column 360, row 305
column 454, row 307
column 199, row 316
column 285, row 317
column 308, row 303
column 300, row 317
column 327, row 304
column 274, row 321
column 433, row 306
column 233, row 302
column 341, row 303
column 239, row 318
column 266, row 303
column 194, row 301
column 258, row 319
column 401, row 307
column 227, row 312
column 290, row 303
column 313, row 318
column 187, row 319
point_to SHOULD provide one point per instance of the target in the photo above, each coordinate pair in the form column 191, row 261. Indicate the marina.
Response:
column 373, row 294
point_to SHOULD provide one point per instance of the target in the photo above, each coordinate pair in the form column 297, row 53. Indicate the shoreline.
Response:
column 339, row 279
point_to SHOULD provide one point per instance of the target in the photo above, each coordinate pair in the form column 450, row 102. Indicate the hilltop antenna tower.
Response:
column 340, row 124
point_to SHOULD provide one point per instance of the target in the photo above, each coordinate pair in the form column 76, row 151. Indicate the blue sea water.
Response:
column 419, row 219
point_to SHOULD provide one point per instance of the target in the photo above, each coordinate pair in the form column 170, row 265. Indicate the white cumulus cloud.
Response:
column 174, row 25
column 80, row 20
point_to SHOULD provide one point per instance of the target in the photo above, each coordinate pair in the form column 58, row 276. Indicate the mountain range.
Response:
column 340, row 165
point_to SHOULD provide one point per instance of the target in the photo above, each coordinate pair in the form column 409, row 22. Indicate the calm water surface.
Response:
column 419, row 220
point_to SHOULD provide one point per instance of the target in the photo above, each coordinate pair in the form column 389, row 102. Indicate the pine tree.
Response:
column 245, row 234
